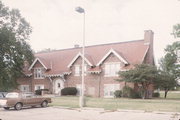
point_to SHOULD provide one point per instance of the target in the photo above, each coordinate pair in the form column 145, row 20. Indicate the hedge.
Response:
column 69, row 91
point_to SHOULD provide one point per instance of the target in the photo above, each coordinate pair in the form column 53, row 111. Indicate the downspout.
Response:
column 51, row 84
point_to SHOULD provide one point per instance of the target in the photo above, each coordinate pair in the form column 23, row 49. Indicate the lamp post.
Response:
column 81, row 99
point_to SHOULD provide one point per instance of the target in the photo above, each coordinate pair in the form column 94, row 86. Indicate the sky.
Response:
column 56, row 24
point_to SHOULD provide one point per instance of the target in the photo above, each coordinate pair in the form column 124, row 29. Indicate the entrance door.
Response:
column 59, row 85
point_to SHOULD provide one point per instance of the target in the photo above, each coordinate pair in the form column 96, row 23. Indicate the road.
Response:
column 57, row 113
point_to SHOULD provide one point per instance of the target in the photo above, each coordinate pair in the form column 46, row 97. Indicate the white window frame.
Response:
column 24, row 88
column 38, row 86
column 78, row 70
column 38, row 73
column 78, row 87
column 111, row 69
column 109, row 90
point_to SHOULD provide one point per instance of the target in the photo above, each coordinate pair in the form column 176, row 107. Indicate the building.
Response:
column 55, row 70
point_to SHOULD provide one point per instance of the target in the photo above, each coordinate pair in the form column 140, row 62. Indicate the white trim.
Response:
column 109, row 90
column 112, row 75
column 145, row 55
column 115, row 53
column 58, row 75
column 76, row 57
column 39, row 73
column 28, row 75
column 77, row 70
column 38, row 85
column 37, row 59
column 94, row 72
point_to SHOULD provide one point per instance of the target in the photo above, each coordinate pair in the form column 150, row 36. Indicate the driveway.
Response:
column 57, row 113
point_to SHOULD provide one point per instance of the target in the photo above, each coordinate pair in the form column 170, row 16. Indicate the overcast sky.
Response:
column 56, row 25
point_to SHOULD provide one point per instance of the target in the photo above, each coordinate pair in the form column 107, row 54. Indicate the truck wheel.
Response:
column 44, row 104
column 18, row 106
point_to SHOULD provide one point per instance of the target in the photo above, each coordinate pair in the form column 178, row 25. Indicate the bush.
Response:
column 118, row 93
column 135, row 94
column 39, row 91
column 156, row 94
column 69, row 91
column 126, row 92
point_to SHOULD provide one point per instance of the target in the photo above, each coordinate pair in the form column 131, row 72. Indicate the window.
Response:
column 78, row 70
column 38, row 73
column 109, row 89
column 38, row 87
column 24, row 88
column 112, row 69
column 78, row 87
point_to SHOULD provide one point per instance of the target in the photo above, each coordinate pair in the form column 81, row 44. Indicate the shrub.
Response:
column 39, row 91
column 156, row 94
column 69, row 91
column 118, row 93
column 135, row 94
column 126, row 92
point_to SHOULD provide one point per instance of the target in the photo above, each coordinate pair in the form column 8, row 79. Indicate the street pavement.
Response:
column 59, row 113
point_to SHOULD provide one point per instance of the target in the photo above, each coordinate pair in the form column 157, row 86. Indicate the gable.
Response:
column 112, row 53
column 37, row 60
column 78, row 56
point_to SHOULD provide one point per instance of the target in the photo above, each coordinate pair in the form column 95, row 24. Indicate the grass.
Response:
column 172, row 103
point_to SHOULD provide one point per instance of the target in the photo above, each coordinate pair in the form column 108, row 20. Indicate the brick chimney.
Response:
column 148, row 37
column 148, row 40
column 76, row 46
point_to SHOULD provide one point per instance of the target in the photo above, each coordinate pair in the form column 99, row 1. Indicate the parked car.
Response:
column 20, row 100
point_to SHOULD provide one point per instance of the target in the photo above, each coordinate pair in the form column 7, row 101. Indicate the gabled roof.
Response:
column 115, row 53
column 76, row 57
column 59, row 61
column 36, row 60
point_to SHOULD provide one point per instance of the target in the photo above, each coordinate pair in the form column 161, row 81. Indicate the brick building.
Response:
column 55, row 70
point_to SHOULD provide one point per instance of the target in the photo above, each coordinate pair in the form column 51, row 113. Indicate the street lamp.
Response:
column 81, row 99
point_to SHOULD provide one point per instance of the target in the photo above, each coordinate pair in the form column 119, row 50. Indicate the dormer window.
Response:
column 38, row 73
column 78, row 70
column 112, row 69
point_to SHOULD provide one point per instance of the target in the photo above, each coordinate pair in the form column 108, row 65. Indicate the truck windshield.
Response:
column 12, row 95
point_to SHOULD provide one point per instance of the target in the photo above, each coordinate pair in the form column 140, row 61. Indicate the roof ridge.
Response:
column 89, row 46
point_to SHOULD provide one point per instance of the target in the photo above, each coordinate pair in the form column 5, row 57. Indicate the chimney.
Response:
column 148, row 40
column 76, row 46
column 148, row 37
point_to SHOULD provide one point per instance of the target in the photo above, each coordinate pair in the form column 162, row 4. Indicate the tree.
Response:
column 142, row 74
column 170, row 72
column 176, row 30
column 166, row 82
column 14, row 48
column 169, row 62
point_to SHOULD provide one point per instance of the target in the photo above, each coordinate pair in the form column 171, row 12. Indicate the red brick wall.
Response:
column 95, row 81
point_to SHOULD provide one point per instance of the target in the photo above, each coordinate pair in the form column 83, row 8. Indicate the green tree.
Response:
column 170, row 72
column 14, row 48
column 143, row 74
column 166, row 82
column 169, row 62
column 176, row 30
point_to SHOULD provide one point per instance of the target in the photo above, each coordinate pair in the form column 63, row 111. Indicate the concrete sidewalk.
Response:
column 59, row 113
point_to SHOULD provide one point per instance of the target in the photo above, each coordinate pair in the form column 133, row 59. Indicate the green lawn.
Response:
column 172, row 103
